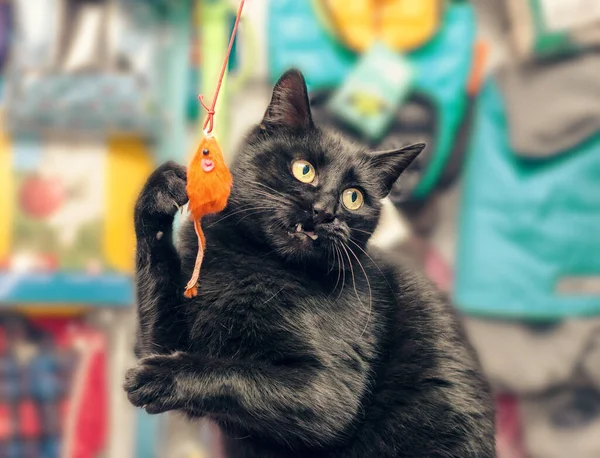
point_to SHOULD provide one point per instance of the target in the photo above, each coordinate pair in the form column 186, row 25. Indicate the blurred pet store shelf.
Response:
column 93, row 94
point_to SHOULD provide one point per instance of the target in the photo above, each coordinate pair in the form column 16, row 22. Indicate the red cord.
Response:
column 210, row 111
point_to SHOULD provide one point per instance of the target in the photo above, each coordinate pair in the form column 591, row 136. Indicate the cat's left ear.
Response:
column 289, row 107
column 390, row 164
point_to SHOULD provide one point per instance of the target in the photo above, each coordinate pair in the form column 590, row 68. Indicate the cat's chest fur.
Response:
column 257, row 307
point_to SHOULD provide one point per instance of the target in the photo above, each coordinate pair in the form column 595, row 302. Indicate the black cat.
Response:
column 302, row 342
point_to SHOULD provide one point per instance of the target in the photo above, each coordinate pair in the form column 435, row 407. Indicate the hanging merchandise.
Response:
column 547, row 28
column 529, row 358
column 509, row 427
column 173, row 67
column 59, row 210
column 66, row 232
column 415, row 120
column 562, row 423
column 53, row 396
column 401, row 26
column 551, row 370
column 369, row 97
column 437, row 98
column 6, row 24
column 91, row 67
column 195, row 62
column 213, row 22
column 536, row 129
column 528, row 240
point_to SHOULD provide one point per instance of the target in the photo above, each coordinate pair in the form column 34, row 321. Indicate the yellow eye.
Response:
column 303, row 171
column 352, row 199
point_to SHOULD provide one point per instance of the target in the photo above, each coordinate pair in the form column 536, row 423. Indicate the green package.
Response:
column 369, row 97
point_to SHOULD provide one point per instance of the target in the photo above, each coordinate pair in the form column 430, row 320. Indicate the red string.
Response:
column 210, row 110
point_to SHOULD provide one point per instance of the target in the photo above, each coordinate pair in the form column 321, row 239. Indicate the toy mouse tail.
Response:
column 191, row 289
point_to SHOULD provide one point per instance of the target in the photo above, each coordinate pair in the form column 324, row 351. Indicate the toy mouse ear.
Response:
column 289, row 107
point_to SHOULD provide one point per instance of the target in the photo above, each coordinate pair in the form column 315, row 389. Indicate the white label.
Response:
column 561, row 15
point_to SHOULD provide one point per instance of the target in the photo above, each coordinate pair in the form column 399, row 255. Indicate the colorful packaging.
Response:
column 66, row 219
column 545, row 28
column 369, row 97
column 92, row 67
column 53, row 394
column 59, row 206
column 401, row 25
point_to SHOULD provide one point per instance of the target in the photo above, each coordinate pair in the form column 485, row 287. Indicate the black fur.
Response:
column 295, row 347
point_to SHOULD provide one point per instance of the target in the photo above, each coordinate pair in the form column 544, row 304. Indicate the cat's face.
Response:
column 305, row 192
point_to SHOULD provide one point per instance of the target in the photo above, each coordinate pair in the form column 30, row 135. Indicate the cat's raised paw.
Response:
column 151, row 385
column 163, row 194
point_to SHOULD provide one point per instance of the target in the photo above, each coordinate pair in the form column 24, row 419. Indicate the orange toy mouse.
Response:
column 208, row 178
column 208, row 186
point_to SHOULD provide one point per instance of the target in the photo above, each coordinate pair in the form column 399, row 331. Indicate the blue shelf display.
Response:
column 47, row 288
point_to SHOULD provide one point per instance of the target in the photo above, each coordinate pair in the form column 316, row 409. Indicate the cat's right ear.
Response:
column 289, row 107
column 390, row 164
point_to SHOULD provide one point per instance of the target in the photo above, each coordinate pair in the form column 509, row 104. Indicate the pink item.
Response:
column 509, row 437
column 438, row 270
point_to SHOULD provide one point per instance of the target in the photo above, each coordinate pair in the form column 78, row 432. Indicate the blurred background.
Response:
column 502, row 210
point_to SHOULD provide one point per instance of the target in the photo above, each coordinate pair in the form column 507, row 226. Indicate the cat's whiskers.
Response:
column 372, row 260
column 273, row 296
column 277, row 224
column 238, row 207
column 250, row 214
column 275, row 197
column 337, row 255
column 343, row 271
column 258, row 183
column 329, row 263
column 229, row 215
column 360, row 230
column 343, row 245
column 369, row 286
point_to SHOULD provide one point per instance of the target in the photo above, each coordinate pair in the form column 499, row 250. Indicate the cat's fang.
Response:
column 299, row 227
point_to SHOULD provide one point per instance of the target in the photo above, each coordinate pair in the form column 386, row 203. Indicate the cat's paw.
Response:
column 163, row 194
column 151, row 384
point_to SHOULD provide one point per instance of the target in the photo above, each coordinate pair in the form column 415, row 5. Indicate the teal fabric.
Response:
column 297, row 39
column 526, row 225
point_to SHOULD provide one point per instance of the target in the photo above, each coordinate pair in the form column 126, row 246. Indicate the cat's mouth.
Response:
column 303, row 230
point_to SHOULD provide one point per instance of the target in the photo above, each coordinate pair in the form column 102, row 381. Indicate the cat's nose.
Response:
column 321, row 216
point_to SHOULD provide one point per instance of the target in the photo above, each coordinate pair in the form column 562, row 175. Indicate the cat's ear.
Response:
column 390, row 164
column 289, row 107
